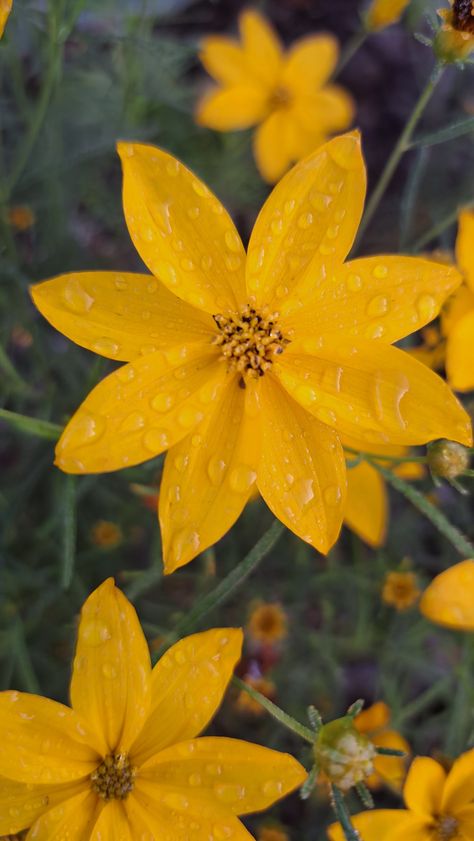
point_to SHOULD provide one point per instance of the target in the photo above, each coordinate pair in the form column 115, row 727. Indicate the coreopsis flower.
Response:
column 5, row 9
column 455, row 39
column 388, row 770
column 267, row 623
column 382, row 13
column 400, row 590
column 287, row 95
column 449, row 599
column 458, row 317
column 105, row 534
column 440, row 806
column 248, row 369
column 125, row 762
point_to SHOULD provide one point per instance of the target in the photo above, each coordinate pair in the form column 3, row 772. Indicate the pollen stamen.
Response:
column 447, row 828
column 114, row 778
column 249, row 340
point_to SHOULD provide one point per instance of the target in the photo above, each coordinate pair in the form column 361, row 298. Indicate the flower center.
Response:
column 446, row 828
column 463, row 15
column 280, row 98
column 113, row 779
column 249, row 340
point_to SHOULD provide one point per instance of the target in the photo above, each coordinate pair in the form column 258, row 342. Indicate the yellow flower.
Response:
column 455, row 39
column 400, row 590
column 449, row 599
column 21, row 216
column 458, row 320
column 246, row 704
column 287, row 95
column 124, row 761
column 5, row 9
column 248, row 370
column 388, row 770
column 272, row 833
column 382, row 13
column 106, row 534
column 440, row 806
column 267, row 623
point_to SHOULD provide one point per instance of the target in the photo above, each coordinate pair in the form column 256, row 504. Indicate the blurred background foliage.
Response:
column 75, row 76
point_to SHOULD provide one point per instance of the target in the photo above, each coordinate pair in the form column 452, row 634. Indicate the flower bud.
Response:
column 448, row 459
column 382, row 13
column 343, row 753
column 454, row 40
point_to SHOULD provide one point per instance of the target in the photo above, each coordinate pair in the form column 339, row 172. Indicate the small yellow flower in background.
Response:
column 388, row 770
column 124, row 761
column 455, row 39
column 246, row 704
column 21, row 217
column 5, row 9
column 272, row 833
column 382, row 13
column 458, row 318
column 400, row 590
column 449, row 599
column 267, row 623
column 440, row 806
column 285, row 94
column 291, row 341
column 107, row 535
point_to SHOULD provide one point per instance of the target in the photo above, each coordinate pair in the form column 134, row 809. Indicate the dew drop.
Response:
column 152, row 286
column 232, row 240
column 216, row 469
column 305, row 221
column 354, row 282
column 326, row 415
column 380, row 271
column 109, row 671
column 162, row 402
column 189, row 416
column 76, row 298
column 241, row 478
column 120, row 283
column 277, row 225
column 133, row 422
column 195, row 780
column 200, row 189
column 320, row 201
column 272, row 788
column 181, row 462
column 126, row 373
column 206, row 262
column 345, row 151
column 303, row 492
column 84, row 429
column 378, row 306
column 187, row 264
column 186, row 541
column 193, row 212
column 105, row 346
column 156, row 440
column 281, row 291
column 426, row 307
column 94, row 632
column 332, row 494
column 289, row 206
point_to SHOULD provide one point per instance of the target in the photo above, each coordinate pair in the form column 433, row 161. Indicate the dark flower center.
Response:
column 249, row 340
column 463, row 15
column 114, row 778
column 446, row 828
column 280, row 98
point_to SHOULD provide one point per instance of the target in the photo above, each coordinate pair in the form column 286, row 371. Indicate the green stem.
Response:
column 423, row 701
column 287, row 720
column 349, row 50
column 343, row 816
column 435, row 231
column 455, row 537
column 400, row 147
column 23, row 663
column 32, row 426
column 17, row 382
column 395, row 459
column 69, row 532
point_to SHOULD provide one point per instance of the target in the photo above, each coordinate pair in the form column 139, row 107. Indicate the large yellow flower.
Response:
column 440, row 806
column 124, row 764
column 286, row 94
column 458, row 320
column 248, row 370
column 5, row 9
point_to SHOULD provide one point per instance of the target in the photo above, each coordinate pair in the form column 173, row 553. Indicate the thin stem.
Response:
column 69, row 532
column 349, row 50
column 455, row 537
column 287, row 720
column 343, row 816
column 395, row 459
column 32, row 426
column 423, row 701
column 17, row 382
column 399, row 149
column 435, row 231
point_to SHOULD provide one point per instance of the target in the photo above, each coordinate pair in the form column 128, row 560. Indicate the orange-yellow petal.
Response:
column 377, row 298
column 187, row 687
column 261, row 46
column 118, row 314
column 460, row 354
column 424, row 785
column 225, row 61
column 449, row 599
column 111, row 678
column 272, row 145
column 113, row 824
column 73, row 819
column 236, row 107
column 457, row 306
column 181, row 230
column 309, row 63
column 366, row 509
column 379, row 825
column 326, row 111
column 43, row 741
column 458, row 790
column 5, row 9
column 301, row 474
column 238, row 776
column 141, row 410
column 371, row 391
column 464, row 246
column 374, row 718
column 209, row 476
column 307, row 225
column 391, row 770
column 21, row 804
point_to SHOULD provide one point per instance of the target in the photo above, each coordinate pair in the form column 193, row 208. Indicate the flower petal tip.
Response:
column 346, row 150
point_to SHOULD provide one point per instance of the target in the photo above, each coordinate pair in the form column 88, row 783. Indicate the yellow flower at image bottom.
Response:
column 286, row 94
column 124, row 764
column 249, row 368
column 440, row 806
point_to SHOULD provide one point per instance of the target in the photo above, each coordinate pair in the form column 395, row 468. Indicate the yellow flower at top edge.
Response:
column 5, row 9
column 248, row 369
column 382, row 13
column 388, row 770
column 268, row 623
column 449, row 599
column 455, row 39
column 458, row 319
column 124, row 763
column 440, row 806
column 286, row 94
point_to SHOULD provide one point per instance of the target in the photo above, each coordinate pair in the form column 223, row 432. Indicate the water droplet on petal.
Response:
column 76, row 298
column 94, row 632
column 427, row 307
column 232, row 240
column 189, row 416
column 378, row 305
column 216, row 469
column 305, row 221
column 106, row 346
column 185, row 541
column 132, row 422
column 332, row 494
column 380, row 271
column 241, row 478
column 273, row 788
column 156, row 440
column 109, row 671
column 303, row 492
column 354, row 282
column 345, row 151
column 162, row 402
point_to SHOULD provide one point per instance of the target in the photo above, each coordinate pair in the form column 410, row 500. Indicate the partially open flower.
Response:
column 382, row 13
column 455, row 38
column 345, row 755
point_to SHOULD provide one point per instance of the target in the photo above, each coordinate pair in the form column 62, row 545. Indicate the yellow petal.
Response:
column 374, row 718
column 372, row 391
column 43, row 741
column 113, row 824
column 225, row 61
column 391, row 769
column 366, row 510
column 460, row 354
column 21, row 804
column 141, row 410
column 119, row 315
column 464, row 247
column 235, row 775
column 272, row 146
column 377, row 297
column 466, row 823
column 180, row 229
column 307, row 225
column 458, row 305
column 458, row 789
column 449, row 599
column 301, row 474
column 424, row 787
column 188, row 684
column 261, row 46
column 73, row 819
column 5, row 9
column 326, row 111
column 111, row 678
column 379, row 825
column 236, row 107
column 310, row 62
column 209, row 476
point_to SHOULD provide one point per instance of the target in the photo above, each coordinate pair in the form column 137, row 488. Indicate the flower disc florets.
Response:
column 343, row 753
column 114, row 778
column 447, row 828
column 249, row 340
column 455, row 39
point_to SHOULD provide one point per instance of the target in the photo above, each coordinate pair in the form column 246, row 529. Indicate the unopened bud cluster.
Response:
column 448, row 459
column 344, row 755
